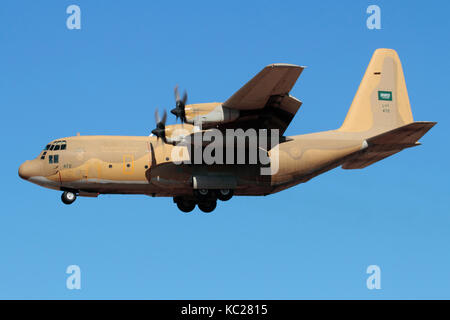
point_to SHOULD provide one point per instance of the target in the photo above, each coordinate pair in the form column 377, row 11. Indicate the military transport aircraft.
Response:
column 379, row 124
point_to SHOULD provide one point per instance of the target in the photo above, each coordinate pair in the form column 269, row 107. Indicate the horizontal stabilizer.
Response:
column 386, row 144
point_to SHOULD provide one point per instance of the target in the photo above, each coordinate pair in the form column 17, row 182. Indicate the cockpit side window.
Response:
column 53, row 158
column 47, row 147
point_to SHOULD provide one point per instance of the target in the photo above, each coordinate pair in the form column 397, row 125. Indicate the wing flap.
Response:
column 279, row 112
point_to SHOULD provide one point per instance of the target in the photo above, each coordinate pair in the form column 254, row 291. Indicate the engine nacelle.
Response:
column 208, row 114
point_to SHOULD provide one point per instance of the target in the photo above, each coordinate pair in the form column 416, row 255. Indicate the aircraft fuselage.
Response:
column 93, row 165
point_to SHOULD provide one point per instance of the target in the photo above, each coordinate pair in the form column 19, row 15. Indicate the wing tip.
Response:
column 284, row 65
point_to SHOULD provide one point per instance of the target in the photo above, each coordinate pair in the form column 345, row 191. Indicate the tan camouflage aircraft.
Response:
column 378, row 125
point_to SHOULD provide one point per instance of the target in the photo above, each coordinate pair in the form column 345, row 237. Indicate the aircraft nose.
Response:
column 28, row 169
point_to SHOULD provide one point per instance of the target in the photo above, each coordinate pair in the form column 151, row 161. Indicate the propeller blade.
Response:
column 160, row 130
column 180, row 104
column 157, row 118
column 177, row 94
column 164, row 118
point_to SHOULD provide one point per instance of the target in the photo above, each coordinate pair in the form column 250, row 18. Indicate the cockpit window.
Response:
column 56, row 145
column 53, row 158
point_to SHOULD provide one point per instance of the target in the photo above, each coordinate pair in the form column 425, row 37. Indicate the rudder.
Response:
column 381, row 102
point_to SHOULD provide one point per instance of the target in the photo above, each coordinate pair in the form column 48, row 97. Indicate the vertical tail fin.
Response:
column 381, row 102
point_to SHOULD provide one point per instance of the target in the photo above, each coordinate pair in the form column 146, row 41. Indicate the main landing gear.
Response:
column 207, row 206
column 205, row 199
column 185, row 205
column 68, row 197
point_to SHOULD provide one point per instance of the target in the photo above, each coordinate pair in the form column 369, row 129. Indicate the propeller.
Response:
column 179, row 110
column 160, row 130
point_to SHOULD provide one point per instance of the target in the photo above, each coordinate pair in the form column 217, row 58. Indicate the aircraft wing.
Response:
column 274, row 80
column 264, row 101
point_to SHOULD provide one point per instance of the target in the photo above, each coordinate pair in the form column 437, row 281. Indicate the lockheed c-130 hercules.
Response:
column 379, row 124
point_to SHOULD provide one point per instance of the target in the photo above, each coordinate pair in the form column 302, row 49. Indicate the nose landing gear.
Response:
column 68, row 197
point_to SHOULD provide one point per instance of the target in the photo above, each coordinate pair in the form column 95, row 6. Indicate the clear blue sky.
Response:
column 312, row 241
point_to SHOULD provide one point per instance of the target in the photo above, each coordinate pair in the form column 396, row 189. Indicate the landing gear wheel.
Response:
column 202, row 194
column 185, row 205
column 68, row 197
column 224, row 194
column 207, row 206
